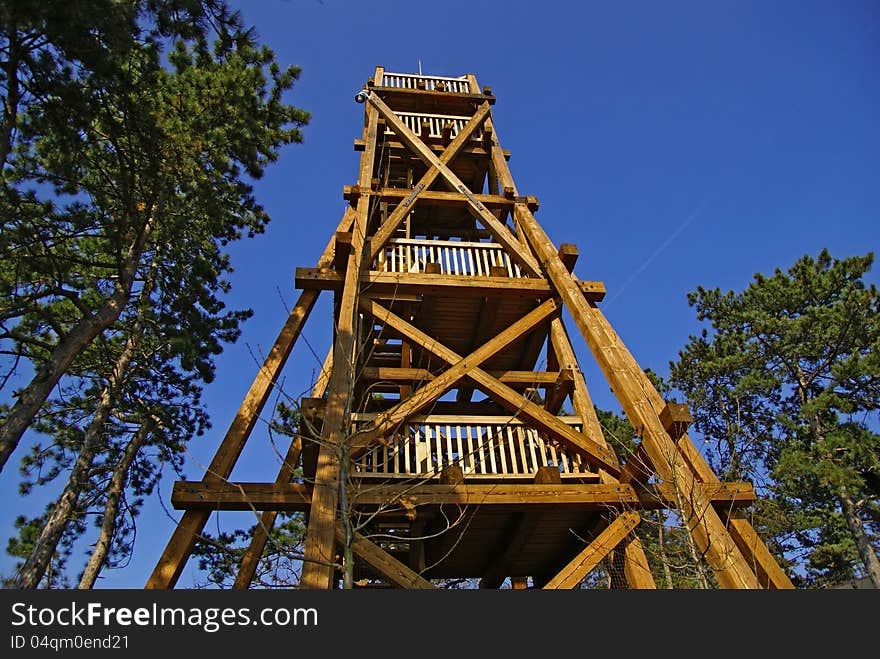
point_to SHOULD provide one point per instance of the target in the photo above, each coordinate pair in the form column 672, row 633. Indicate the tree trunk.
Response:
column 661, row 542
column 857, row 530
column 13, row 96
column 66, row 506
column 111, row 508
column 32, row 397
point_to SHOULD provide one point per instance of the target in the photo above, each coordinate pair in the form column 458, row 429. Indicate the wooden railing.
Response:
column 436, row 123
column 483, row 447
column 455, row 257
column 428, row 83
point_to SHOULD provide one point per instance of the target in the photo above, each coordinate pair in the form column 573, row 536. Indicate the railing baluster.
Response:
column 554, row 456
column 534, row 461
column 563, row 455
column 542, row 448
column 449, row 458
column 490, row 446
column 511, row 445
column 500, row 444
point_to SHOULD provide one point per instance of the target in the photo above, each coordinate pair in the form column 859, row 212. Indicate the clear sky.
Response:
column 676, row 144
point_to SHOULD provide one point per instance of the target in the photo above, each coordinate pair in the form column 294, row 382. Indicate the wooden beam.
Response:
column 459, row 366
column 177, row 551
column 568, row 254
column 676, row 418
column 292, row 497
column 770, row 575
column 434, row 197
column 384, row 563
column 415, row 375
column 318, row 562
column 627, row 380
column 557, row 394
column 393, row 221
column 502, row 234
column 380, row 283
column 581, row 565
column 229, row 495
column 636, row 569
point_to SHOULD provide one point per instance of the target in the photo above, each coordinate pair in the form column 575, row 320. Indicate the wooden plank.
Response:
column 380, row 283
column 501, row 233
column 231, row 495
column 637, row 570
column 384, row 563
column 459, row 366
column 392, row 222
column 177, row 551
column 417, row 375
column 581, row 565
column 318, row 561
column 439, row 198
column 627, row 380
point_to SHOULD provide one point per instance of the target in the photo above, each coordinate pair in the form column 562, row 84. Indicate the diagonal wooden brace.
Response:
column 393, row 221
column 383, row 562
column 515, row 248
column 581, row 565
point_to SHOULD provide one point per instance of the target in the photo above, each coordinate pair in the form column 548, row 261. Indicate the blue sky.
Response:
column 676, row 144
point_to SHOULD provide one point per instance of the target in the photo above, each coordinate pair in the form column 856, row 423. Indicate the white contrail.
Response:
column 690, row 218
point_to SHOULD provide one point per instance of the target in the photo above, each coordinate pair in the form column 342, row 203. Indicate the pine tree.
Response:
column 787, row 383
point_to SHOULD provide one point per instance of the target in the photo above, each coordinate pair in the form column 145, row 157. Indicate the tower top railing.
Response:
column 460, row 85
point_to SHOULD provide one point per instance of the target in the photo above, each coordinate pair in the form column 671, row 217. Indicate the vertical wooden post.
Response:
column 318, row 563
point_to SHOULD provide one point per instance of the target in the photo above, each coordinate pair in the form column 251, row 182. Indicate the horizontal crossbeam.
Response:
column 418, row 283
column 292, row 497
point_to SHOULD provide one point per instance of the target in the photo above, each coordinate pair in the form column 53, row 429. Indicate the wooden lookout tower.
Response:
column 452, row 434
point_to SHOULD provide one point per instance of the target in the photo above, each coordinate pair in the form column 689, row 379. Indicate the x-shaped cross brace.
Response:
column 469, row 367
column 439, row 167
